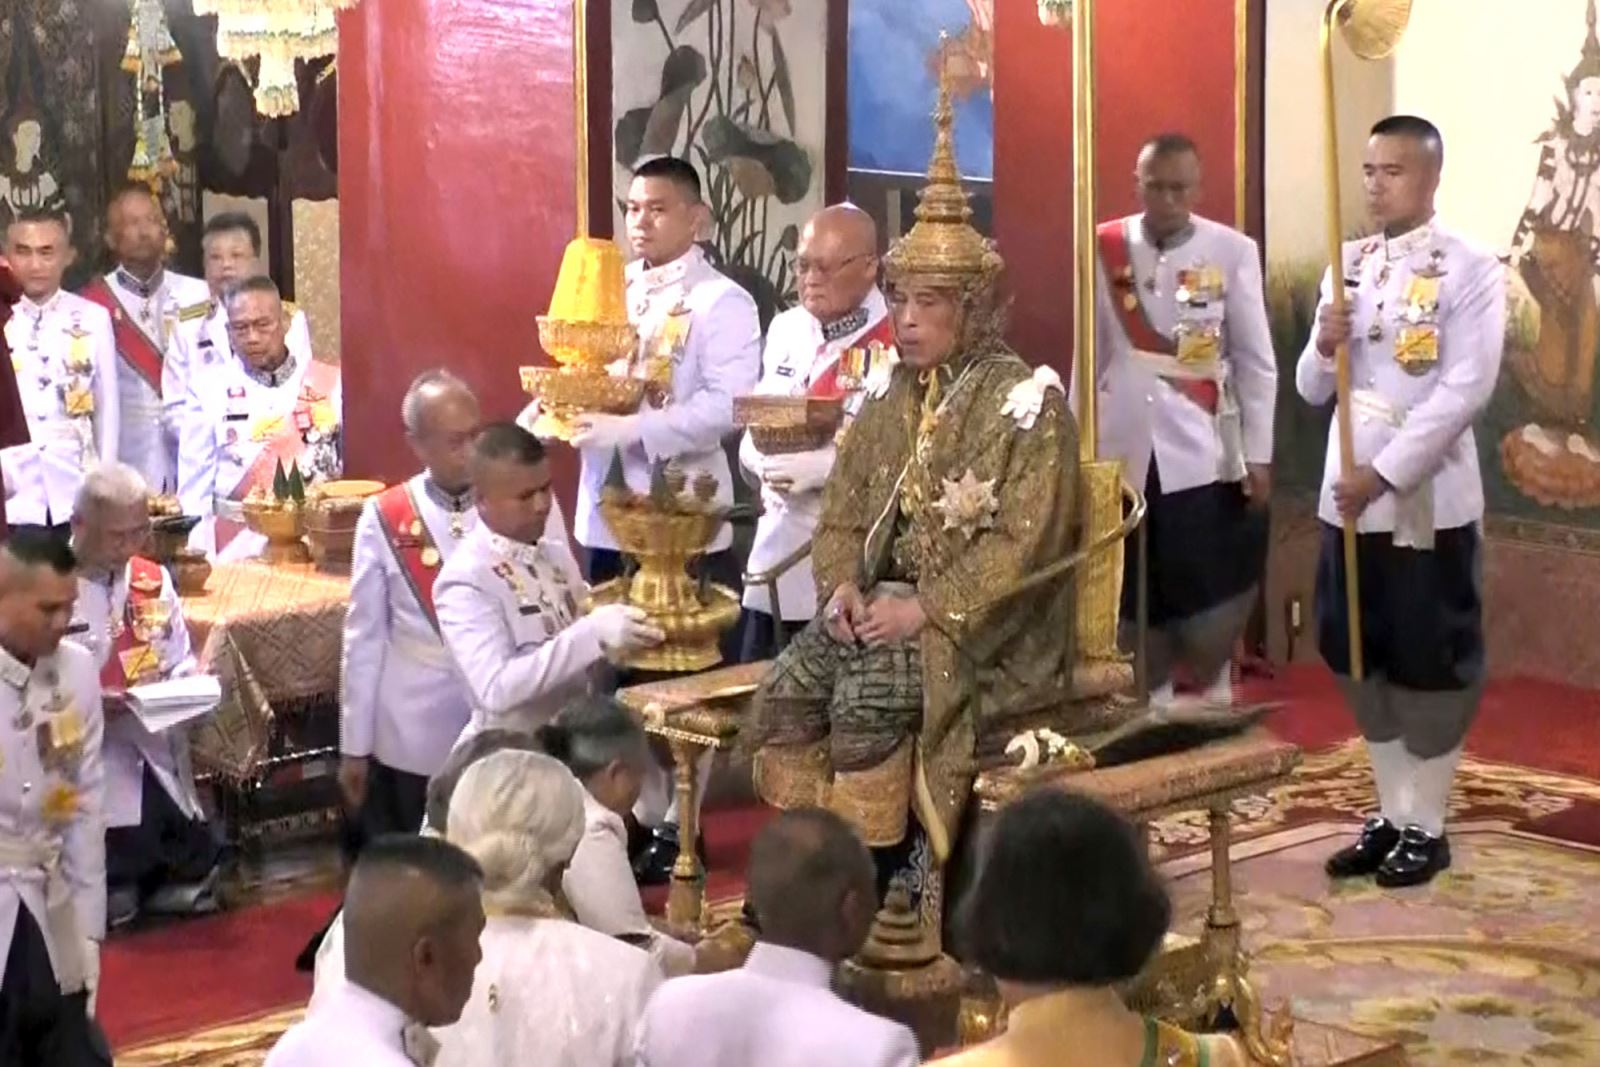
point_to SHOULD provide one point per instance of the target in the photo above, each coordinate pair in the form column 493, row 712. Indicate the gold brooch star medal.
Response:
column 967, row 504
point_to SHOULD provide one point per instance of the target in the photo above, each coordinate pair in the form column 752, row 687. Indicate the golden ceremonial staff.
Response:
column 1371, row 29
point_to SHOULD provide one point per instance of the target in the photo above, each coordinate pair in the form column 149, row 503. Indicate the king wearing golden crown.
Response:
column 957, row 479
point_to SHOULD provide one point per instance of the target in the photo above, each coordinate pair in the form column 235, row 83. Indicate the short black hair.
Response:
column 256, row 283
column 442, row 786
column 33, row 547
column 435, row 858
column 801, row 865
column 233, row 222
column 1065, row 895
column 508, row 441
column 44, row 214
column 679, row 172
column 1170, row 143
column 1415, row 127
column 590, row 733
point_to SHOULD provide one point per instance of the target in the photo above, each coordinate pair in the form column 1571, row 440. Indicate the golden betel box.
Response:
column 331, row 511
column 663, row 530
column 588, row 334
column 782, row 424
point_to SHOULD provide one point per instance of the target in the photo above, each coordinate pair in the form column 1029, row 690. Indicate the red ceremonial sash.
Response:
column 285, row 446
column 127, row 651
column 410, row 542
column 827, row 383
column 1114, row 252
column 133, row 344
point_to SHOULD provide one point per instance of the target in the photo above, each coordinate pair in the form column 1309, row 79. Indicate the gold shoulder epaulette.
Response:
column 194, row 311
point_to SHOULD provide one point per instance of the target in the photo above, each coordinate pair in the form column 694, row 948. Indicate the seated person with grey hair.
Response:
column 161, row 854
column 549, row 991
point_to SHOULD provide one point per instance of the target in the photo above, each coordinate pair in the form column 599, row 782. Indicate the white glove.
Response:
column 529, row 416
column 772, row 500
column 91, row 972
column 797, row 472
column 1026, row 398
column 621, row 629
column 606, row 431
column 881, row 374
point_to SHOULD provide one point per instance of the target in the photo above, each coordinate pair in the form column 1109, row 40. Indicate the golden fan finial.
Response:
column 1372, row 28
column 942, row 247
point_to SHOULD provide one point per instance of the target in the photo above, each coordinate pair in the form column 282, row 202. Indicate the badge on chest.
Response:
column 1416, row 342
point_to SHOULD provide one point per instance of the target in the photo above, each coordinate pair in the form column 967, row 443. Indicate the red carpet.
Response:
column 179, row 977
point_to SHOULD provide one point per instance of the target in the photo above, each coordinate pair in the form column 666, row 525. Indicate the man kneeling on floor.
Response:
column 161, row 855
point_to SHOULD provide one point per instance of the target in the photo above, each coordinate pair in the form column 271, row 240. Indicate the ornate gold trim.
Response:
column 876, row 801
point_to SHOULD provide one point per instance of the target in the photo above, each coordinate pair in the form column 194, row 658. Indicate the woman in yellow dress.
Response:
column 1067, row 907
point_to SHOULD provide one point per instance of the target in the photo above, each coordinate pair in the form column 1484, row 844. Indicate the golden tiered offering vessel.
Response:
column 664, row 529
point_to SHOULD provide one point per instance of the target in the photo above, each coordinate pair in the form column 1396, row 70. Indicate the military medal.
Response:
column 430, row 557
column 1375, row 331
column 416, row 528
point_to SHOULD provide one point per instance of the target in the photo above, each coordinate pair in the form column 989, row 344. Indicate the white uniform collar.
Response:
column 13, row 671
column 515, row 551
column 1168, row 244
column 789, row 965
column 361, row 1009
column 1409, row 243
column 873, row 308
column 655, row 278
column 28, row 306
column 143, row 290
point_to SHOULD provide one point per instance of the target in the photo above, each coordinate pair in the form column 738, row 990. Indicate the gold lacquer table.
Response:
column 693, row 715
column 271, row 634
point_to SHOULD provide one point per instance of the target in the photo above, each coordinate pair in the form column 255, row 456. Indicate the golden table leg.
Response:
column 686, row 895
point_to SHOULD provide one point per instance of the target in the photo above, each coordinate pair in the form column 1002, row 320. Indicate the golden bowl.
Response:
column 781, row 424
column 642, row 529
column 190, row 570
column 587, row 344
column 282, row 523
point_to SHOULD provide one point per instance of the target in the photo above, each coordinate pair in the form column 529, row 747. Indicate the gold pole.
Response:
column 1241, row 111
column 1083, row 242
column 580, row 108
column 1341, row 356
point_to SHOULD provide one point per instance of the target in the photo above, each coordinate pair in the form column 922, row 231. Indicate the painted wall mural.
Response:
column 737, row 87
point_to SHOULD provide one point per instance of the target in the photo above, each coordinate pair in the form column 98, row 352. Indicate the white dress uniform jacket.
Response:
column 225, row 409
column 600, row 886
column 508, row 612
column 129, row 747
column 1414, row 427
column 552, row 993
column 796, row 356
column 148, row 442
column 63, row 353
column 402, row 700
column 351, row 1027
column 1141, row 414
column 689, row 312
column 776, row 1011
column 51, row 806
column 200, row 342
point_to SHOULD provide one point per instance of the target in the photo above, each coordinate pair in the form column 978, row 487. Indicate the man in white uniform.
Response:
column 65, row 365
column 161, row 855
column 699, row 334
column 231, row 246
column 403, row 704
column 268, row 403
column 52, row 840
column 413, row 916
column 820, row 348
column 509, row 600
column 1425, row 325
column 147, row 303
column 1188, row 382
column 814, row 890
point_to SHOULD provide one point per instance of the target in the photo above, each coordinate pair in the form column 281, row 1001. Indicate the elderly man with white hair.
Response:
column 160, row 852
column 548, row 991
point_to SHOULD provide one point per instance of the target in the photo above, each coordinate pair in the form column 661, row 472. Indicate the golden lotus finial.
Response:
column 942, row 247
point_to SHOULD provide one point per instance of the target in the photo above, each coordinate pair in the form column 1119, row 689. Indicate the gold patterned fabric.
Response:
column 1021, row 651
column 272, row 636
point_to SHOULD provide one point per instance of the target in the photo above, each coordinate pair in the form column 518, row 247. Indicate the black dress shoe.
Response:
column 654, row 865
column 1415, row 859
column 1378, row 838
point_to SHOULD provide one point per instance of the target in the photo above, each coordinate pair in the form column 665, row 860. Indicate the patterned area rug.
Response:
column 1498, row 962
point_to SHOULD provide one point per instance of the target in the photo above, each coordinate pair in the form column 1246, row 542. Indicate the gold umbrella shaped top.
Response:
column 1371, row 28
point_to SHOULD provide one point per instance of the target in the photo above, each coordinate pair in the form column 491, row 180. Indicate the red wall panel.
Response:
column 456, row 198
column 1161, row 65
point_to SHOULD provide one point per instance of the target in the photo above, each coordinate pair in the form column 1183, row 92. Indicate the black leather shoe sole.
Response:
column 1378, row 838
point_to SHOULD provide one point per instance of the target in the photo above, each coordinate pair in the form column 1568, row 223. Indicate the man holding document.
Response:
column 161, row 856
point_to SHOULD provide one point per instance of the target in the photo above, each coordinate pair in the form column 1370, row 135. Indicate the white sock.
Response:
column 655, row 796
column 703, row 764
column 1392, row 774
column 1432, row 780
column 1220, row 691
column 1163, row 695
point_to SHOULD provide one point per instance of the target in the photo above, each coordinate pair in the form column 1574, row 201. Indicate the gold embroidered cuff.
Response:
column 793, row 776
column 877, row 801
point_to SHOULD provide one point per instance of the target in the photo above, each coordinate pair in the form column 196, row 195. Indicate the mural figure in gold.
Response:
column 1554, row 326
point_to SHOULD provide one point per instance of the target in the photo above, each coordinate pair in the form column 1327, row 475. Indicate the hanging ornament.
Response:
column 150, row 51
column 1055, row 12
column 277, row 33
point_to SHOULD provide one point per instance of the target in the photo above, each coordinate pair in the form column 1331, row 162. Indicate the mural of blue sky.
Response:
column 892, row 84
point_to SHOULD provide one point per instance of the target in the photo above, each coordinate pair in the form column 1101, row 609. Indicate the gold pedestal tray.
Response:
column 567, row 393
column 284, row 527
column 692, row 627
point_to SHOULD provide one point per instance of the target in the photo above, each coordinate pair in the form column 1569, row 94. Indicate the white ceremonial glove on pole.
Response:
column 621, row 629
column 798, row 472
column 91, row 973
column 606, row 431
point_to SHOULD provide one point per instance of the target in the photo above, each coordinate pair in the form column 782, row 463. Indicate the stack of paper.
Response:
column 162, row 705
